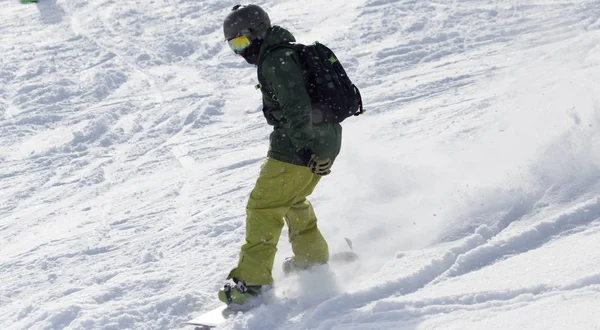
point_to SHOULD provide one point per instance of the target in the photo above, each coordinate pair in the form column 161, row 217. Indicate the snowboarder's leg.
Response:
column 278, row 188
column 308, row 244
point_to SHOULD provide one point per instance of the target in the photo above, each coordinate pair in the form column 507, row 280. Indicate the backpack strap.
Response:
column 262, row 85
column 360, row 104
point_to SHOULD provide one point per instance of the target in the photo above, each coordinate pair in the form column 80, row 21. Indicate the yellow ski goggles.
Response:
column 240, row 43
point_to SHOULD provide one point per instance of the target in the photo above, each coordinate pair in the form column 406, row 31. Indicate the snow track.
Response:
column 480, row 250
column 130, row 137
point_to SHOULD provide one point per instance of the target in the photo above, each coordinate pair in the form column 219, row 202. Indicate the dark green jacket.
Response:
column 287, row 106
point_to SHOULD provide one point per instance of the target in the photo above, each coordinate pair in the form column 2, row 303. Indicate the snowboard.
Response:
column 219, row 315
column 212, row 319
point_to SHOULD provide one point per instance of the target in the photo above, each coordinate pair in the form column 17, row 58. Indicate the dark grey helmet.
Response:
column 248, row 20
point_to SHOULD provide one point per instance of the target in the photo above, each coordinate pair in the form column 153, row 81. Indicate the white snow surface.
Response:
column 131, row 136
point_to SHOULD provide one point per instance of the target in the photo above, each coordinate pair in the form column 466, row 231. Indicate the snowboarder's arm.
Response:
column 284, row 76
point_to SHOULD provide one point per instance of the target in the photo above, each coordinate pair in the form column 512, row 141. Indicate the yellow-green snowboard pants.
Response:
column 280, row 193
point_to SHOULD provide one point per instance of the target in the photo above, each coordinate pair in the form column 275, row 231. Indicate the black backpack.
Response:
column 329, row 87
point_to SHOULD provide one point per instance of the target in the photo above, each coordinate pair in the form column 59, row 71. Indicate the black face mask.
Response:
column 250, row 54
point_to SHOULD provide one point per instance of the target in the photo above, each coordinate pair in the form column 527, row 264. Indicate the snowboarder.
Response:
column 302, row 150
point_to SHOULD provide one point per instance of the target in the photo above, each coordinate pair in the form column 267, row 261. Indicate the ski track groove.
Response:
column 151, row 135
column 476, row 252
column 470, row 302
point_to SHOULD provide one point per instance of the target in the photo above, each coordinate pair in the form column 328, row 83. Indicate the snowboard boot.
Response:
column 240, row 296
column 290, row 266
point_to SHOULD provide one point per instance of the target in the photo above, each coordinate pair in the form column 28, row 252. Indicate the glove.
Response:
column 319, row 166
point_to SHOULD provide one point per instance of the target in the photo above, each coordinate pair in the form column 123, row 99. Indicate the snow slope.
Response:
column 131, row 136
